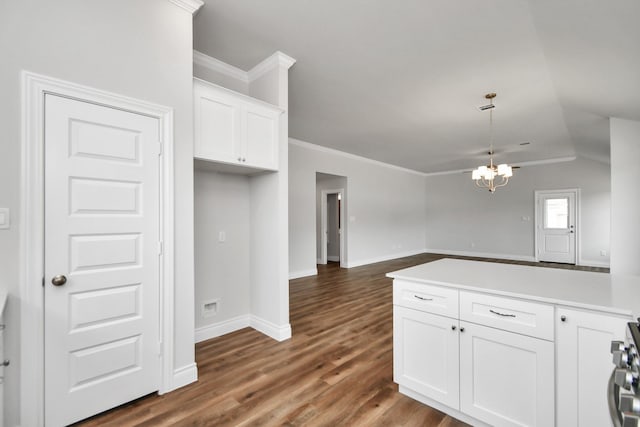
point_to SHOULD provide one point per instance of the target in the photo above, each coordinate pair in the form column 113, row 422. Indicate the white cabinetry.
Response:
column 506, row 379
column 426, row 354
column 584, row 365
column 497, row 375
column 234, row 129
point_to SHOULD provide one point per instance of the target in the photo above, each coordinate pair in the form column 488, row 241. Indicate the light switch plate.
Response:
column 5, row 218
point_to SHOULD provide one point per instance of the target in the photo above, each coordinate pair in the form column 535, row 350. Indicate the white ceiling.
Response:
column 401, row 81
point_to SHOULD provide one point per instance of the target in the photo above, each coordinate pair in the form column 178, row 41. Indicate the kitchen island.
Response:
column 501, row 344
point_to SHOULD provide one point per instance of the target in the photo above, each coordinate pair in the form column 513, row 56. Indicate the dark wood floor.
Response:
column 336, row 369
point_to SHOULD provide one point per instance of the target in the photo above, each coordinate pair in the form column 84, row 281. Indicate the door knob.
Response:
column 59, row 280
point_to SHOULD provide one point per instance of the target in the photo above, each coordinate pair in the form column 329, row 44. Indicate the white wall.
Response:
column 625, row 196
column 141, row 49
column 462, row 218
column 222, row 204
column 385, row 207
column 270, row 219
column 266, row 289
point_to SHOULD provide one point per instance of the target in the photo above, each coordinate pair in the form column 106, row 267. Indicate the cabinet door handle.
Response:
column 423, row 298
column 453, row 327
column 563, row 318
column 502, row 314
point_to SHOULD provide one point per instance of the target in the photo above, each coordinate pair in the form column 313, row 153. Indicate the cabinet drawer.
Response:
column 522, row 317
column 425, row 297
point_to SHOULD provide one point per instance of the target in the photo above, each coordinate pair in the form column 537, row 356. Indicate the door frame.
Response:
column 323, row 225
column 537, row 197
column 34, row 88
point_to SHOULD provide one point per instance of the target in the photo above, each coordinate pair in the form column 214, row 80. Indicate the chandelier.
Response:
column 491, row 176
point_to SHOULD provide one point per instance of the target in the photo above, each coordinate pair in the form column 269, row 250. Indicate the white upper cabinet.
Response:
column 234, row 129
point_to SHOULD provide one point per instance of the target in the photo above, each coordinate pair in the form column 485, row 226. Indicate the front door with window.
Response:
column 556, row 226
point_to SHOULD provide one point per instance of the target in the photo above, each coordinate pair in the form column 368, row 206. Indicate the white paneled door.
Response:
column 102, row 245
column 556, row 226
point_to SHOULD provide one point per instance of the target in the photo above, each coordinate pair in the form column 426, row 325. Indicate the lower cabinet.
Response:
column 501, row 378
column 583, row 341
column 426, row 353
column 506, row 379
column 476, row 363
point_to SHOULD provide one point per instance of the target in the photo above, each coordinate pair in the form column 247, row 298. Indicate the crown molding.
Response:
column 191, row 6
column 310, row 146
column 530, row 163
column 276, row 60
column 218, row 66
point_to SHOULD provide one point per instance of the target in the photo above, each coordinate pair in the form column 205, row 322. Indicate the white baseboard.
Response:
column 482, row 254
column 207, row 332
column 303, row 273
column 184, row 375
column 592, row 263
column 389, row 257
column 333, row 258
column 278, row 333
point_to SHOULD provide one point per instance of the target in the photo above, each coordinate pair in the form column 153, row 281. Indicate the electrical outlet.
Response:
column 603, row 253
column 222, row 237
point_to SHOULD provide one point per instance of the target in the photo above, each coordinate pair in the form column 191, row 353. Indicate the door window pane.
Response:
column 556, row 213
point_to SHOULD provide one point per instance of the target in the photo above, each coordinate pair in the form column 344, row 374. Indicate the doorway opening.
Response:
column 330, row 219
column 556, row 226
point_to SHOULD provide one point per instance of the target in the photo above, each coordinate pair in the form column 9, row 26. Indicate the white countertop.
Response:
column 581, row 289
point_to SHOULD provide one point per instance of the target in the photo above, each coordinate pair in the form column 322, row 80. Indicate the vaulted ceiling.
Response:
column 401, row 81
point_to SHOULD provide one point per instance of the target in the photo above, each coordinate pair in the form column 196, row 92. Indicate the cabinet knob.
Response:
column 629, row 403
column 630, row 420
column 621, row 358
column 461, row 329
column 625, row 378
column 244, row 159
column 617, row 346
column 563, row 318
column 453, row 327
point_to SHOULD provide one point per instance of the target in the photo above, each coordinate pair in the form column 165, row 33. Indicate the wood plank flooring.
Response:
column 336, row 370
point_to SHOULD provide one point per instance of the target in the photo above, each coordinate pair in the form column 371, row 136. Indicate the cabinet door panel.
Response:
column 584, row 365
column 261, row 139
column 426, row 354
column 507, row 379
column 217, row 131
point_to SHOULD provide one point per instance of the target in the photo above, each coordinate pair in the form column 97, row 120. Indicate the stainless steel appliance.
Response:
column 624, row 390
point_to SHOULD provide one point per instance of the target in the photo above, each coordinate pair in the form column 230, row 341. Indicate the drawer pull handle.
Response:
column 423, row 298
column 502, row 314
